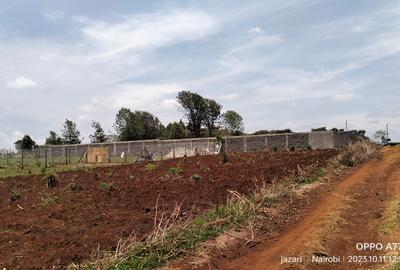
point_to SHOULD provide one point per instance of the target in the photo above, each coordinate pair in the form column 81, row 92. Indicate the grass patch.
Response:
column 49, row 199
column 313, row 177
column 151, row 166
column 392, row 220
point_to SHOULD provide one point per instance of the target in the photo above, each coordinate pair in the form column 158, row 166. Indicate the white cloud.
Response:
column 343, row 96
column 260, row 40
column 148, row 31
column 53, row 15
column 22, row 83
column 255, row 30
column 230, row 96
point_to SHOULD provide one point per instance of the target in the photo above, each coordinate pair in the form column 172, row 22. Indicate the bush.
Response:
column 358, row 152
column 151, row 166
column 174, row 170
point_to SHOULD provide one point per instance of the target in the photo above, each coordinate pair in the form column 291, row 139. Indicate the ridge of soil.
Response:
column 50, row 228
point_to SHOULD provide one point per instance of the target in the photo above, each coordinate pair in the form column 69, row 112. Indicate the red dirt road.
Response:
column 50, row 228
column 353, row 212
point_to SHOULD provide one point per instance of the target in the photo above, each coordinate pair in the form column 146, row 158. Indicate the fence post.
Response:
column 8, row 163
column 37, row 156
column 22, row 159
column 266, row 142
column 173, row 149
column 245, row 144
column 161, row 153
column 287, row 141
column 45, row 158
column 52, row 156
column 66, row 155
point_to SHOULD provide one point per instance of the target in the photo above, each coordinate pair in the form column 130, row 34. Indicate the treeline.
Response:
column 202, row 116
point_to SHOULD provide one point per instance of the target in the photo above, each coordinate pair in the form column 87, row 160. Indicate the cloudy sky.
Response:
column 281, row 64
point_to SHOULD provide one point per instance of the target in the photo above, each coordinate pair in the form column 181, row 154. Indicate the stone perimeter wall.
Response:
column 176, row 148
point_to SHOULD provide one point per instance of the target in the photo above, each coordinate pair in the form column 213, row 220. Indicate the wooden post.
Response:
column 173, row 150
column 37, row 156
column 8, row 163
column 161, row 153
column 22, row 159
column 45, row 158
column 66, row 155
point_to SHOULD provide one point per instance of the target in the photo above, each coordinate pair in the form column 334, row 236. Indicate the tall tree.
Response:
column 194, row 107
column 380, row 136
column 137, row 125
column 26, row 143
column 70, row 134
column 233, row 122
column 151, row 125
column 175, row 130
column 125, row 126
column 53, row 139
column 98, row 135
column 213, row 113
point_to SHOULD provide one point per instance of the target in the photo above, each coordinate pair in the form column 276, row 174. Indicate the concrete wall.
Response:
column 177, row 148
column 321, row 140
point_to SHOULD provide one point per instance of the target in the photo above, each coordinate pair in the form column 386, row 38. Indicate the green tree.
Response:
column 98, row 135
column 53, row 139
column 319, row 129
column 175, row 130
column 379, row 136
column 194, row 107
column 70, row 134
column 137, row 125
column 26, row 143
column 273, row 131
column 213, row 113
column 233, row 122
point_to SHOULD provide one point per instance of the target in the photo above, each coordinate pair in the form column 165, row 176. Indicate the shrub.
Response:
column 151, row 166
column 358, row 152
column 175, row 170
column 104, row 186
column 15, row 195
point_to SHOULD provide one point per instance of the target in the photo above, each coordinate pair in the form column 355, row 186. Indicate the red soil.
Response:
column 39, row 235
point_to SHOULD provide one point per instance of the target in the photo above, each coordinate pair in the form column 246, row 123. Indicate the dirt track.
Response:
column 352, row 212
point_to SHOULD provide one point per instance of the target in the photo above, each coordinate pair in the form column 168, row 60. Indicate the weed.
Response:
column 43, row 170
column 15, row 195
column 110, row 174
column 175, row 170
column 104, row 186
column 49, row 199
column 151, row 166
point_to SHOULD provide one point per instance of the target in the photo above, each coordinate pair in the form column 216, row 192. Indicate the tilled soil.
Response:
column 51, row 227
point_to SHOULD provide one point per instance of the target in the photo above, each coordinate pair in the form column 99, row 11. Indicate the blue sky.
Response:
column 281, row 64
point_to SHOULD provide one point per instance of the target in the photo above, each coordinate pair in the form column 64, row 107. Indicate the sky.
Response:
column 294, row 64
